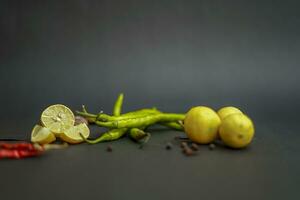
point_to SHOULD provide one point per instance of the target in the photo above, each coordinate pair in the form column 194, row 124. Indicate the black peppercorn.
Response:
column 183, row 144
column 109, row 148
column 212, row 146
column 188, row 151
column 169, row 146
column 195, row 146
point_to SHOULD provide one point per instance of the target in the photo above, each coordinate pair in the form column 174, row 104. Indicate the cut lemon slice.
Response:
column 58, row 118
column 72, row 135
column 42, row 135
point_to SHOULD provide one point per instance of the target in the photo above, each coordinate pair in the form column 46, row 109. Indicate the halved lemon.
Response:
column 72, row 135
column 42, row 135
column 58, row 118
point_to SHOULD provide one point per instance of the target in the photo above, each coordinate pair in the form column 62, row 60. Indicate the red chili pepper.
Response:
column 19, row 150
column 6, row 153
column 24, row 149
column 23, row 145
column 24, row 154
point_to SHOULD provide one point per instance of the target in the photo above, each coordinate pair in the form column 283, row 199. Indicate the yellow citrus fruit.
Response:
column 42, row 135
column 72, row 135
column 225, row 111
column 58, row 118
column 237, row 130
column 201, row 124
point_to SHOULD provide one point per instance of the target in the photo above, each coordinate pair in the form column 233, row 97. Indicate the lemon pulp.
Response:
column 72, row 135
column 58, row 118
column 42, row 135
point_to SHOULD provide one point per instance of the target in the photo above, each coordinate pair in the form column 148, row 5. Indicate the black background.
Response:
column 169, row 54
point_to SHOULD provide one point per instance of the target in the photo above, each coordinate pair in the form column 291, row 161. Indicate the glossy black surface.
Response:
column 169, row 54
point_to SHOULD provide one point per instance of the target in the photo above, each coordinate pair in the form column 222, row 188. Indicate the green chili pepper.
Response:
column 142, row 121
column 110, row 135
column 105, row 118
column 118, row 105
column 142, row 111
column 137, row 134
column 134, row 122
column 173, row 125
column 129, row 115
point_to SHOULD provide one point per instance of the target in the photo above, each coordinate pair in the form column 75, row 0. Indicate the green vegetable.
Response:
column 138, row 134
column 141, row 111
column 132, row 122
column 110, row 135
column 173, row 125
column 105, row 118
column 118, row 105
column 142, row 121
column 129, row 115
column 133, row 115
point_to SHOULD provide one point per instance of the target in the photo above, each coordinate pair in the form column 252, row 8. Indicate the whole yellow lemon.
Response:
column 236, row 130
column 201, row 124
column 225, row 111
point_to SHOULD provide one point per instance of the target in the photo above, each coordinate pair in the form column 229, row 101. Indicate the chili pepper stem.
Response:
column 85, row 114
column 145, row 141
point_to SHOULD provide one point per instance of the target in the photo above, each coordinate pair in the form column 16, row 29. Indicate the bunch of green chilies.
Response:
column 134, row 123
